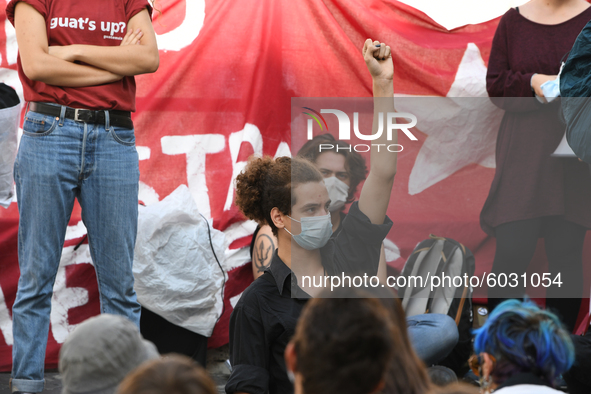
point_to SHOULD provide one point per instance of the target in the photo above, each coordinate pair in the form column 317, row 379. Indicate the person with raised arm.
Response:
column 291, row 197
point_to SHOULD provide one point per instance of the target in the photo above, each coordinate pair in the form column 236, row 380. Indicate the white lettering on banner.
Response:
column 196, row 147
column 143, row 152
column 283, row 150
column 5, row 320
column 146, row 193
column 187, row 32
column 76, row 231
column 251, row 134
column 65, row 298
column 237, row 257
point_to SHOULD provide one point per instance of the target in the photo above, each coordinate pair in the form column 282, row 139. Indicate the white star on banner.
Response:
column 455, row 13
column 461, row 127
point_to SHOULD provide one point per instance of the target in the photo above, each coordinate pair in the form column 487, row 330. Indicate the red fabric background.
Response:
column 247, row 62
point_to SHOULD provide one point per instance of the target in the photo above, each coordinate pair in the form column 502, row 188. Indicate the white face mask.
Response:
column 338, row 191
column 316, row 231
column 291, row 376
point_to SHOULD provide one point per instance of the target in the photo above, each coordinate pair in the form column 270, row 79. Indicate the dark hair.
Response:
column 524, row 338
column 267, row 183
column 174, row 374
column 354, row 162
column 406, row 373
column 343, row 345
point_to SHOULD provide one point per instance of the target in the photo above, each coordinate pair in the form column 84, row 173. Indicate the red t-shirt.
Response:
column 90, row 23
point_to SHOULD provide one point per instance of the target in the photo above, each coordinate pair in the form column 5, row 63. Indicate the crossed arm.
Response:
column 55, row 65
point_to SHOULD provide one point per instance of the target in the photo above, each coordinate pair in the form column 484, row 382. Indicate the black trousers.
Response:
column 170, row 338
column 516, row 244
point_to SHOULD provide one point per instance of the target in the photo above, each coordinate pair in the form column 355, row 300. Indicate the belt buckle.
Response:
column 76, row 115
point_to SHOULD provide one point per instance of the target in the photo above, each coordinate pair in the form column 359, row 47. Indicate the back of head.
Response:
column 524, row 338
column 267, row 183
column 100, row 352
column 174, row 374
column 343, row 345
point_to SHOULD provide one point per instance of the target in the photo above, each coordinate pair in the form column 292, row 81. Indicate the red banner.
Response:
column 228, row 71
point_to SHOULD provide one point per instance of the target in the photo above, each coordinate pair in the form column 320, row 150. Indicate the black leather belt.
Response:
column 116, row 118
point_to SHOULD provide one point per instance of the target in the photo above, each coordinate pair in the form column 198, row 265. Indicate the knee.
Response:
column 448, row 330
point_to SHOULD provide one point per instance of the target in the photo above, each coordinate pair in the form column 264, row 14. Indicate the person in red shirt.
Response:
column 76, row 64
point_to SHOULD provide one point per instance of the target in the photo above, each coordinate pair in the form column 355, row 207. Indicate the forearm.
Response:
column 383, row 162
column 53, row 71
column 126, row 60
column 38, row 65
column 375, row 194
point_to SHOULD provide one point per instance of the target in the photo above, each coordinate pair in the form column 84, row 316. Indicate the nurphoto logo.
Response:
column 345, row 129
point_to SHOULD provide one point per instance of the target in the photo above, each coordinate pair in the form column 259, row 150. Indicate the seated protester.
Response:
column 173, row 374
column 343, row 169
column 521, row 349
column 100, row 352
column 433, row 335
column 342, row 345
column 291, row 197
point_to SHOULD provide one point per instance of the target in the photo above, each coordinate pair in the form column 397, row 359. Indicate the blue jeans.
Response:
column 58, row 161
column 432, row 335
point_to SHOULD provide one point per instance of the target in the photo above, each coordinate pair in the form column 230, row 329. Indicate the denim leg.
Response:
column 109, row 201
column 432, row 335
column 45, row 177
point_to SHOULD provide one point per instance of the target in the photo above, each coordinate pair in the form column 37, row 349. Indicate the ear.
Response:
column 487, row 365
column 278, row 218
column 291, row 358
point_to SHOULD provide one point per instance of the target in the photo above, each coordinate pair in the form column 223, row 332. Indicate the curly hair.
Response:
column 343, row 345
column 267, row 183
column 175, row 374
column 524, row 338
column 354, row 162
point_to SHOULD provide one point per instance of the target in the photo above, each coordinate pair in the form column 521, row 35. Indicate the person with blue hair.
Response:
column 522, row 349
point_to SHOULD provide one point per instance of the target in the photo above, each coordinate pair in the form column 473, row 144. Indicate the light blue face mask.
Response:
column 316, row 231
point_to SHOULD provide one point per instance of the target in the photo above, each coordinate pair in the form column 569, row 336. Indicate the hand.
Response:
column 132, row 37
column 538, row 80
column 378, row 58
column 65, row 52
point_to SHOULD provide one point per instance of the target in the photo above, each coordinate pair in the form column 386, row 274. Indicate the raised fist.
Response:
column 378, row 58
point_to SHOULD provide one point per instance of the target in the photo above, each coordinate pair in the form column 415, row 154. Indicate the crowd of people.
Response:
column 347, row 342
column 288, row 335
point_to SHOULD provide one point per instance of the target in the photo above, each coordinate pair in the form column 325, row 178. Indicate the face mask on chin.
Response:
column 316, row 231
column 338, row 191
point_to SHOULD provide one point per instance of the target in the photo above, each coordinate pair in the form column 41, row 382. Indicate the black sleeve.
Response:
column 358, row 245
column 249, row 351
